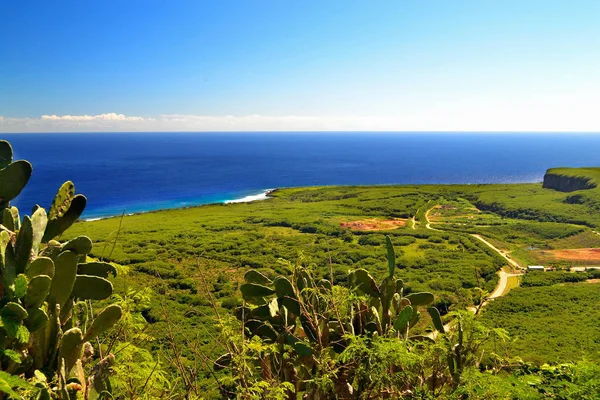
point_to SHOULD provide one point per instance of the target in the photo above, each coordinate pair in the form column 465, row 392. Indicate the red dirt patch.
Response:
column 590, row 254
column 373, row 224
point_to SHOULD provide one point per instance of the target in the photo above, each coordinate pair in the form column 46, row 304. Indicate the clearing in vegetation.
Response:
column 590, row 255
column 373, row 224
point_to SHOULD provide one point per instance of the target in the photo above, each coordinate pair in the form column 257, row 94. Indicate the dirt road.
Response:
column 428, row 225
column 503, row 254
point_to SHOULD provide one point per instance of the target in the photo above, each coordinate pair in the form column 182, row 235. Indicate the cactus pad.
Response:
column 13, row 179
column 37, row 290
column 283, row 288
column 65, row 272
column 58, row 225
column 5, row 153
column 23, row 245
column 103, row 321
column 365, row 282
column 250, row 290
column 88, row 287
column 80, row 245
column 253, row 276
column 40, row 266
column 70, row 347
column 97, row 269
column 420, row 299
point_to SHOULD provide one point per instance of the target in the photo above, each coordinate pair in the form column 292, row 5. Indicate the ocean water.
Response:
column 136, row 172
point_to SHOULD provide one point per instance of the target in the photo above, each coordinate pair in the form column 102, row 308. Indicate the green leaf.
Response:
column 13, row 311
column 65, row 272
column 57, row 226
column 8, row 220
column 10, row 382
column 104, row 320
column 12, row 355
column 39, row 221
column 302, row 349
column 22, row 334
column 37, row 291
column 24, row 245
column 37, row 319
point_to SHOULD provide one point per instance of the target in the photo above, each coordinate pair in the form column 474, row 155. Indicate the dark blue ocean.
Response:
column 134, row 172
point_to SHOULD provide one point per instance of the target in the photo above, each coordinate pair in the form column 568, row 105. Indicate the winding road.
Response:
column 500, row 289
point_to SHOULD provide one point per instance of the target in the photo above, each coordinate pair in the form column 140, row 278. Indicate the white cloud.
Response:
column 546, row 113
column 100, row 117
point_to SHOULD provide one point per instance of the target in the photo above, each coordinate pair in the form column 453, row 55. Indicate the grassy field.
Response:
column 185, row 254
column 555, row 323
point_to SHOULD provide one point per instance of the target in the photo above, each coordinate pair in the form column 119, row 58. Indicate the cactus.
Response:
column 104, row 321
column 41, row 279
column 65, row 273
column 13, row 179
column 58, row 225
column 5, row 153
column 88, row 287
column 436, row 319
column 253, row 276
column 80, row 245
column 252, row 291
column 97, row 268
column 40, row 266
column 37, row 291
column 421, row 298
column 386, row 302
column 70, row 347
column 299, row 317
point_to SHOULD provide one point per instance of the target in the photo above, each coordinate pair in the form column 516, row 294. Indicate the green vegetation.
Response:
column 559, row 323
column 299, row 295
column 571, row 179
column 47, row 322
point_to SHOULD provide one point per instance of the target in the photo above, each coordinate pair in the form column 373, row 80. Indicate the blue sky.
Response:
column 299, row 65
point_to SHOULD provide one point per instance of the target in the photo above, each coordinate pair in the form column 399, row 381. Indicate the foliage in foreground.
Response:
column 47, row 322
column 307, row 337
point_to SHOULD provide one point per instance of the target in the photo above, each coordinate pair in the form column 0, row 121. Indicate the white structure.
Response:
column 535, row 268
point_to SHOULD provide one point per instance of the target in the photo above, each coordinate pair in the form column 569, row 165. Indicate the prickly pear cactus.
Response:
column 386, row 309
column 303, row 319
column 46, row 323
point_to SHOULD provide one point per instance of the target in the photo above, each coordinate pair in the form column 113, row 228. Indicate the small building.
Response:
column 536, row 268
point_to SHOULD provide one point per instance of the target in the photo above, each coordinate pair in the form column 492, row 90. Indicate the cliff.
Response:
column 571, row 179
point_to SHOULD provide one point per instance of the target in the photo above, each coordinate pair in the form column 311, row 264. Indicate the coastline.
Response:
column 263, row 195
